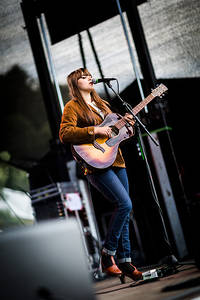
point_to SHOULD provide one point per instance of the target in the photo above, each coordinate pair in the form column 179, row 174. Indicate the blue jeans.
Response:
column 113, row 184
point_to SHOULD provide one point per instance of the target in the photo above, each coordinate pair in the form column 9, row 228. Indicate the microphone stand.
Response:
column 138, row 124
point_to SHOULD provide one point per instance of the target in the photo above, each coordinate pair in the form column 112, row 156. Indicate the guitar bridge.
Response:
column 97, row 146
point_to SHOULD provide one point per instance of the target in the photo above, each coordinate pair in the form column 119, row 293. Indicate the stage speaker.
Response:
column 47, row 201
column 44, row 261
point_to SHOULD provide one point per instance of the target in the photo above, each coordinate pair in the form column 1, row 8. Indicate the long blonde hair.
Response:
column 72, row 80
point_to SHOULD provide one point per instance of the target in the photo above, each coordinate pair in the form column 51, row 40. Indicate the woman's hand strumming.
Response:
column 103, row 131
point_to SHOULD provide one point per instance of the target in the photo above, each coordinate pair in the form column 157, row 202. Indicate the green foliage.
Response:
column 5, row 156
column 24, row 133
column 4, row 174
column 17, row 179
column 10, row 176
column 24, row 127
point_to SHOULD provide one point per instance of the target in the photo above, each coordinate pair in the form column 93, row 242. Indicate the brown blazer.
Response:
column 75, row 129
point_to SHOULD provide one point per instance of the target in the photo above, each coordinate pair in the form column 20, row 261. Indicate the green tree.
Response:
column 24, row 129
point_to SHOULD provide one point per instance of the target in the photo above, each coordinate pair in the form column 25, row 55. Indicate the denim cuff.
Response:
column 109, row 252
column 125, row 259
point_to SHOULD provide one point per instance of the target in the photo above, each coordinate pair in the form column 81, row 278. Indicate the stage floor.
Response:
column 185, row 284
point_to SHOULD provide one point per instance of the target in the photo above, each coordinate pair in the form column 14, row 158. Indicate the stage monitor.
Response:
column 44, row 261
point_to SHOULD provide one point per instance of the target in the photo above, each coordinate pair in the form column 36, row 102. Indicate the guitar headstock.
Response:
column 160, row 90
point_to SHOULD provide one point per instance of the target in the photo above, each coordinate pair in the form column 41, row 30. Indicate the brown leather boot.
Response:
column 130, row 271
column 108, row 265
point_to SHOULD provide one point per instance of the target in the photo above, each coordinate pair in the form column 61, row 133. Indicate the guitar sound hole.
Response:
column 115, row 130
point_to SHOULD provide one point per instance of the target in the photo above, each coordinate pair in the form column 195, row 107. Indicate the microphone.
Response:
column 95, row 81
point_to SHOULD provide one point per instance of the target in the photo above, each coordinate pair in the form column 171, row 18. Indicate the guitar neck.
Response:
column 142, row 104
column 135, row 110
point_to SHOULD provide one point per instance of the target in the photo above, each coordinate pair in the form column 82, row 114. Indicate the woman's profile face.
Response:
column 85, row 83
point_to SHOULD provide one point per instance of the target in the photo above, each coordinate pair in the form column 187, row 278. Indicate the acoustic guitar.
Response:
column 103, row 151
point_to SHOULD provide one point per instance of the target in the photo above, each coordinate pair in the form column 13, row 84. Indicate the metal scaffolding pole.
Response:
column 150, row 81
